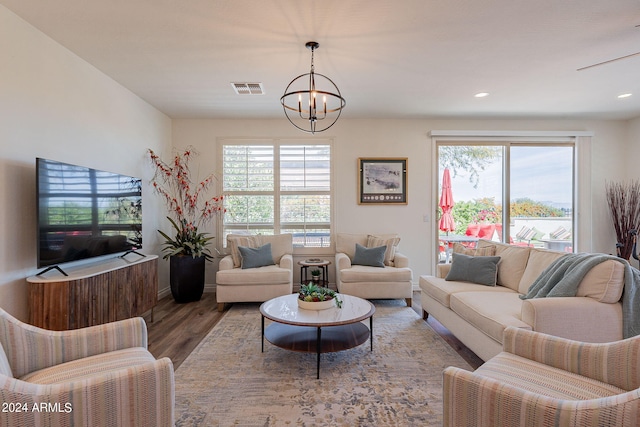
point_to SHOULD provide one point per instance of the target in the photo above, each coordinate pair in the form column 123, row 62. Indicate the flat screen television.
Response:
column 85, row 213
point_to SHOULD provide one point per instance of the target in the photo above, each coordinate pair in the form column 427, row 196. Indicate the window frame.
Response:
column 277, row 192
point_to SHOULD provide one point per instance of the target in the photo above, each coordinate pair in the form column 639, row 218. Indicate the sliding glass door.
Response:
column 521, row 193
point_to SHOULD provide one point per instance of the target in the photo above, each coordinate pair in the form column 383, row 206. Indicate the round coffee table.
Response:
column 317, row 331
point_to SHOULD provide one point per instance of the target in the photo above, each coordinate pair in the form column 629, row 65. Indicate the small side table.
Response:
column 321, row 264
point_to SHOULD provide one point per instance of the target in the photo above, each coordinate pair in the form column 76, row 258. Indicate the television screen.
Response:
column 85, row 213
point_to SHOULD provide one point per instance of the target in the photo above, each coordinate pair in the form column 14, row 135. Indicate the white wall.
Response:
column 633, row 150
column 55, row 105
column 409, row 138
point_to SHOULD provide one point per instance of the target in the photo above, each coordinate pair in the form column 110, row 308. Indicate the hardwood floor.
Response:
column 177, row 329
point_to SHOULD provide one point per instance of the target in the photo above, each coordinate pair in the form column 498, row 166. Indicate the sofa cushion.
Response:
column 482, row 270
column 539, row 260
column 373, row 257
column 513, row 261
column 256, row 257
column 544, row 379
column 362, row 273
column 268, row 275
column 391, row 241
column 346, row 243
column 87, row 367
column 604, row 282
column 281, row 245
column 441, row 290
column 491, row 312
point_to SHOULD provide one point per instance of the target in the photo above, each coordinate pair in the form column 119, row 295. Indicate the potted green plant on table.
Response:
column 190, row 209
column 315, row 275
column 314, row 297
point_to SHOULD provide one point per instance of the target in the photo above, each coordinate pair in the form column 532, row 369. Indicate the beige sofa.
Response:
column 391, row 281
column 237, row 284
column 478, row 314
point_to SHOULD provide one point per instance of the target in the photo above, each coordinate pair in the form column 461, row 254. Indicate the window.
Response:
column 520, row 190
column 278, row 186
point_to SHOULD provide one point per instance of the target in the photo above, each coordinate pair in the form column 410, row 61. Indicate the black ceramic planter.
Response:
column 186, row 276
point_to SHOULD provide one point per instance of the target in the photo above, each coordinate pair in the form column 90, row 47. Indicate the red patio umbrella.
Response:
column 446, row 204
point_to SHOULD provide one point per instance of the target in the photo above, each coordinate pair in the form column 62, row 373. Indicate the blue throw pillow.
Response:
column 482, row 270
column 256, row 257
column 373, row 257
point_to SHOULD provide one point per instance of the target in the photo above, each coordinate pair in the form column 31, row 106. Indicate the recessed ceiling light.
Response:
column 481, row 94
column 624, row 95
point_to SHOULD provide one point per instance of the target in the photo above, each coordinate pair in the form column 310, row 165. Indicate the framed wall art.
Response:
column 382, row 181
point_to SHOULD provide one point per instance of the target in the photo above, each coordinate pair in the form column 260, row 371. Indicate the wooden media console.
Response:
column 94, row 294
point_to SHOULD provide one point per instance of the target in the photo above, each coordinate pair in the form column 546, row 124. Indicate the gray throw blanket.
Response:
column 562, row 277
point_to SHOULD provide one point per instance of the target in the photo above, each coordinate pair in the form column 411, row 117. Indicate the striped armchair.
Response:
column 542, row 380
column 97, row 376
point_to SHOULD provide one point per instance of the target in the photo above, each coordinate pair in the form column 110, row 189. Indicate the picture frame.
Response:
column 382, row 180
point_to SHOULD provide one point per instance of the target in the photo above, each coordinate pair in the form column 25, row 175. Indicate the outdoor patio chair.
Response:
column 560, row 233
column 486, row 231
column 526, row 235
column 472, row 231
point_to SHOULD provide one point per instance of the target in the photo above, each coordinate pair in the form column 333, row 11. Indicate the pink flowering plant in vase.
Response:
column 189, row 205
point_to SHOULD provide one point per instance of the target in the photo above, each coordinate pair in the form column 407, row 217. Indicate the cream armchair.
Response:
column 240, row 279
column 97, row 376
column 541, row 380
column 389, row 280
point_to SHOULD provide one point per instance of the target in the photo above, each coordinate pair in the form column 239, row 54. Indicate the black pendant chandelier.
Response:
column 312, row 102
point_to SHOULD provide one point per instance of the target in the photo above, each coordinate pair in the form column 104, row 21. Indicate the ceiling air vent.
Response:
column 248, row 88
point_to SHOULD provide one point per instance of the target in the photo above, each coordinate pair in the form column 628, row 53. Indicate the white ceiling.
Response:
column 390, row 59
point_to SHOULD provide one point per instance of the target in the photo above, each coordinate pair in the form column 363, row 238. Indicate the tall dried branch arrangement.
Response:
column 189, row 206
column 624, row 204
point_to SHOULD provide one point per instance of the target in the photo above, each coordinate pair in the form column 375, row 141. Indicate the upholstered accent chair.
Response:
column 96, row 376
column 361, row 272
column 259, row 267
column 541, row 380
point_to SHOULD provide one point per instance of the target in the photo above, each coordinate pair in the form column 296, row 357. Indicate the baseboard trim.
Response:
column 163, row 293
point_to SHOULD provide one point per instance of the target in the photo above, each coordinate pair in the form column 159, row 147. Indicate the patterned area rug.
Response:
column 227, row 381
